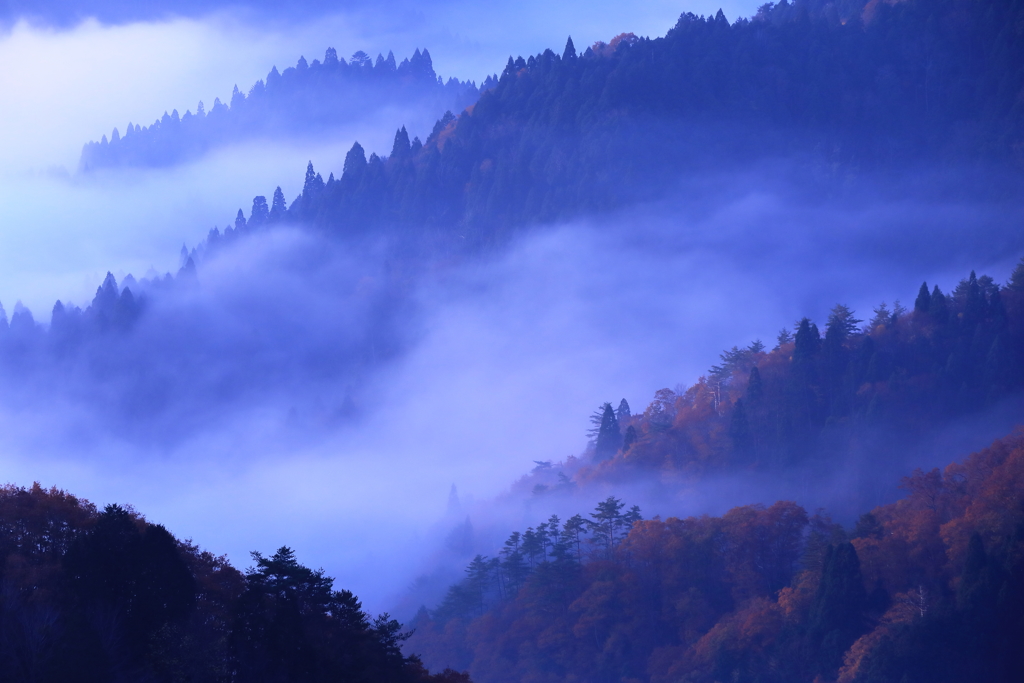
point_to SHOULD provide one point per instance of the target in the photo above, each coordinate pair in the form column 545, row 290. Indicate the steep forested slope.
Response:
column 877, row 86
column 305, row 99
column 930, row 588
column 814, row 398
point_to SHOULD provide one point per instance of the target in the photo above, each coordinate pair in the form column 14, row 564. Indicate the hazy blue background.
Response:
column 510, row 356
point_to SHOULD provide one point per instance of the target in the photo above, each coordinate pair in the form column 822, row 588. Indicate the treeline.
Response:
column 554, row 549
column 863, row 390
column 306, row 98
column 870, row 86
column 103, row 596
column 930, row 588
column 115, row 309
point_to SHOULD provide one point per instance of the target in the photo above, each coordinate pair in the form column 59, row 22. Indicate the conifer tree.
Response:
column 609, row 438
column 402, row 146
column 629, row 438
column 260, row 212
column 755, row 388
column 739, row 426
column 355, row 162
column 622, row 412
column 938, row 309
column 807, row 341
column 923, row 300
column 836, row 616
column 570, row 50
column 1016, row 281
column 278, row 206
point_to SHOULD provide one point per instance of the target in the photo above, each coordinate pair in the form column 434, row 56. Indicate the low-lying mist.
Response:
column 311, row 392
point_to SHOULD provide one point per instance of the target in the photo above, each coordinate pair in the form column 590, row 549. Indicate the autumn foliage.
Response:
column 89, row 595
column 930, row 588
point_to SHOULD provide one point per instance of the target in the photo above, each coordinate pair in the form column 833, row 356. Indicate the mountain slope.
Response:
column 566, row 134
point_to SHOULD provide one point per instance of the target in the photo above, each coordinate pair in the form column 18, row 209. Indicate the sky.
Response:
column 506, row 358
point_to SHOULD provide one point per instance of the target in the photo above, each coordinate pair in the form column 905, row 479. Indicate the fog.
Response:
column 298, row 389
column 300, row 393
column 70, row 78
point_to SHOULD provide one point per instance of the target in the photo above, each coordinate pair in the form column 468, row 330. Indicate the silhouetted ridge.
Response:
column 305, row 98
column 848, row 84
column 102, row 596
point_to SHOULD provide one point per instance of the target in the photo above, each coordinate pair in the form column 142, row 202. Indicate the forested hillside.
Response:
column 102, row 596
column 872, row 86
column 865, row 387
column 930, row 588
column 304, row 99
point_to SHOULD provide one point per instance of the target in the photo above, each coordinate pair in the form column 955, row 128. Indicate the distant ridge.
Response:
column 303, row 99
column 876, row 85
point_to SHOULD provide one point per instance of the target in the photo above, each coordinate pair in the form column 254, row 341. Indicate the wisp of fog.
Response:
column 307, row 391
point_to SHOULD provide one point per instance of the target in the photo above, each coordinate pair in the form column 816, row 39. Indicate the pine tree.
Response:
column 260, row 212
column 569, row 52
column 609, row 438
column 278, row 206
column 355, row 162
column 622, row 412
column 808, row 339
column 402, row 146
column 836, row 617
column 1016, row 281
column 629, row 438
column 739, row 426
column 755, row 388
column 923, row 300
column 938, row 309
column 606, row 520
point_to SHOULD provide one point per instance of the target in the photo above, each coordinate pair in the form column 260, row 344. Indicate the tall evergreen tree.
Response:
column 836, row 616
column 622, row 413
column 808, row 339
column 609, row 437
column 570, row 50
column 1016, row 281
column 923, row 300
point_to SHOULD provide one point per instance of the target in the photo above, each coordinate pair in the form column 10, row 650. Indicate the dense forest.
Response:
column 308, row 98
column 866, row 386
column 158, row 358
column 772, row 593
column 102, row 596
column 930, row 588
column 925, row 589
column 850, row 85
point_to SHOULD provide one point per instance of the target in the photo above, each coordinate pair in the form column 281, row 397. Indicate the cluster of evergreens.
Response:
column 102, row 596
column 306, row 98
column 874, row 386
column 553, row 548
column 930, row 588
column 854, row 85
